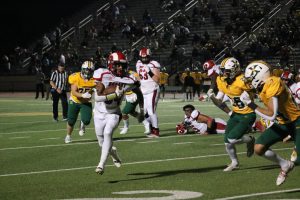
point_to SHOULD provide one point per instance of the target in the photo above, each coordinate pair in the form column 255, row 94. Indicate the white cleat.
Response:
column 115, row 157
column 68, row 139
column 81, row 129
column 99, row 170
column 231, row 167
column 294, row 155
column 147, row 127
column 124, row 131
column 283, row 173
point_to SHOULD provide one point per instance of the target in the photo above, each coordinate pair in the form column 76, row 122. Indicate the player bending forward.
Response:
column 107, row 113
column 200, row 123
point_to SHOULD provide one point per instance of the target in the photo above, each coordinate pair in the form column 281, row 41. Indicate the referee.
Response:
column 58, row 82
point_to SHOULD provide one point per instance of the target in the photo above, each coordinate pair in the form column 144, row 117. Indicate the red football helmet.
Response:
column 208, row 65
column 287, row 77
column 117, row 63
column 181, row 129
column 144, row 55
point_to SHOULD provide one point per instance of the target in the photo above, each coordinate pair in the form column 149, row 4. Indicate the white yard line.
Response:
column 152, row 141
column 259, row 194
column 217, row 144
column 184, row 143
column 54, row 138
column 131, row 163
column 90, row 128
column 15, row 138
column 75, row 142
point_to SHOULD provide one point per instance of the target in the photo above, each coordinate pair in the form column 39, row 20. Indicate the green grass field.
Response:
column 36, row 164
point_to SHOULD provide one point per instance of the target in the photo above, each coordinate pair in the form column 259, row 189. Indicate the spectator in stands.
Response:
column 39, row 83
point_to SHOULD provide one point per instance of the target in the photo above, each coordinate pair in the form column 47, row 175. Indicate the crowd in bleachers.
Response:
column 277, row 38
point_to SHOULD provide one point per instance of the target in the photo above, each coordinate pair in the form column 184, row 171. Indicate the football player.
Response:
column 133, row 98
column 200, row 123
column 280, row 108
column 149, row 72
column 294, row 87
column 107, row 112
column 240, row 122
column 213, row 72
column 82, row 84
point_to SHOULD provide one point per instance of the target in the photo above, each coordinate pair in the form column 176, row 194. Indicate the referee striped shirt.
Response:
column 60, row 79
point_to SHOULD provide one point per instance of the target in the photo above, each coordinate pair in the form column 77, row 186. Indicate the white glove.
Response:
column 131, row 98
column 86, row 95
column 245, row 98
column 119, row 92
column 210, row 92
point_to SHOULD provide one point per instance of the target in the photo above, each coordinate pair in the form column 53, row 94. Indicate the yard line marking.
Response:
column 54, row 138
column 184, row 142
column 74, row 143
column 259, row 194
column 216, row 144
column 65, row 129
column 131, row 163
column 148, row 142
column 31, row 122
column 14, row 138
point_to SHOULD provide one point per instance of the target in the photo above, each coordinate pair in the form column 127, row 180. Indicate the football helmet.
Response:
column 287, row 77
column 181, row 129
column 144, row 55
column 117, row 63
column 87, row 69
column 256, row 73
column 230, row 67
column 208, row 65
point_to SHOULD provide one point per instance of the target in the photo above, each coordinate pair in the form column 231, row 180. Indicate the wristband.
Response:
column 252, row 105
column 111, row 96
column 150, row 73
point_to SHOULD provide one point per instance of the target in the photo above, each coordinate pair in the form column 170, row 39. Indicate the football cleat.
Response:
column 147, row 127
column 250, row 146
column 81, row 129
column 283, row 173
column 68, row 139
column 115, row 157
column 99, row 170
column 294, row 155
column 231, row 167
column 124, row 131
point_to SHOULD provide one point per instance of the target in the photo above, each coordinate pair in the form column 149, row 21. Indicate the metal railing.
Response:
column 72, row 30
column 274, row 12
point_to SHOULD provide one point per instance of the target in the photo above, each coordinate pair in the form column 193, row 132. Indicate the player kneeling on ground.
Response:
column 200, row 123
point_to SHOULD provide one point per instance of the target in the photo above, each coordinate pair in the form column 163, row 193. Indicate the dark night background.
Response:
column 23, row 22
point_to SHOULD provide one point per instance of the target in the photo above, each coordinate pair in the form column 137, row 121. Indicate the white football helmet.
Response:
column 230, row 67
column 87, row 69
column 257, row 72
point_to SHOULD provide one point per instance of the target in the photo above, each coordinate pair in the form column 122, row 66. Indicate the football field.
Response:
column 36, row 164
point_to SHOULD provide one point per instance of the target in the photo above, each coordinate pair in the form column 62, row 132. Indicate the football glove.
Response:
column 245, row 98
column 86, row 95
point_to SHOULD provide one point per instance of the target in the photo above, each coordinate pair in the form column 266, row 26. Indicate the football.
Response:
column 109, row 89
